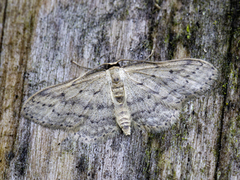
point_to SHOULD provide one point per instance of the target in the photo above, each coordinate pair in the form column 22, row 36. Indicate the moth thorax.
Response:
column 117, row 85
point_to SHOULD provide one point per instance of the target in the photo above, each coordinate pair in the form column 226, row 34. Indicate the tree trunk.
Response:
column 38, row 41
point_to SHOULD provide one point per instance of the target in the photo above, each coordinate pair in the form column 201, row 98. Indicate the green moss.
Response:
column 188, row 29
column 147, row 162
column 166, row 40
column 224, row 88
column 233, row 77
column 172, row 176
column 215, row 153
column 127, row 12
column 188, row 32
column 238, row 121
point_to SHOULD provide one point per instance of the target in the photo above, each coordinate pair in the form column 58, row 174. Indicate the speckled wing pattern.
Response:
column 155, row 91
column 81, row 103
column 98, row 103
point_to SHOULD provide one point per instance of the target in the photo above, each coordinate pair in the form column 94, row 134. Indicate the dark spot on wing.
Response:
column 171, row 71
column 200, row 63
column 157, row 103
column 165, row 97
column 81, row 116
column 100, row 106
column 139, row 83
column 189, row 62
column 139, row 99
column 137, row 113
column 187, row 76
column 80, row 91
column 43, row 93
column 210, row 78
column 53, row 110
column 186, row 81
column 96, row 92
column 153, row 92
column 130, row 103
column 153, row 76
column 174, row 90
column 62, row 94
column 193, row 72
column 197, row 68
column 165, row 83
column 88, row 107
column 149, row 96
column 43, row 104
column 111, row 106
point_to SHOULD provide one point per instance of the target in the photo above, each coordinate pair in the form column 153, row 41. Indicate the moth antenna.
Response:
column 149, row 55
column 80, row 65
column 133, row 59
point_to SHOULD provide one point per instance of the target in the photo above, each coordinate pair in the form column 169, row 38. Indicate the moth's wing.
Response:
column 155, row 91
column 82, row 105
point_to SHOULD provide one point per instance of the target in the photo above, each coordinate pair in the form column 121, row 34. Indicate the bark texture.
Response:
column 38, row 40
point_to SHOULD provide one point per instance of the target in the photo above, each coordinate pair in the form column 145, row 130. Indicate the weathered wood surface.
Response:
column 39, row 39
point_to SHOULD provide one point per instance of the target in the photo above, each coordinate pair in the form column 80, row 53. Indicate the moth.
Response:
column 149, row 94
